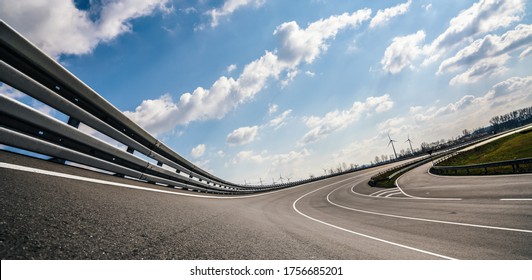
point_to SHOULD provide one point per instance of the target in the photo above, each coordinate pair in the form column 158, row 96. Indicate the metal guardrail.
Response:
column 26, row 68
column 515, row 164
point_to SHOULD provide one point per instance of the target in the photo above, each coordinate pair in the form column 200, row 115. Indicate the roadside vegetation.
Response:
column 515, row 146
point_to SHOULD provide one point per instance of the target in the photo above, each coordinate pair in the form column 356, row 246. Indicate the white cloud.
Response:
column 242, row 135
column 402, row 52
column 337, row 120
column 482, row 17
column 272, row 108
column 390, row 123
column 58, row 27
column 487, row 67
column 285, row 163
column 526, row 52
column 297, row 45
column 487, row 56
column 156, row 116
column 231, row 68
column 310, row 73
column 279, row 121
column 11, row 92
column 225, row 94
column 512, row 93
column 427, row 7
column 198, row 151
column 383, row 16
column 229, row 7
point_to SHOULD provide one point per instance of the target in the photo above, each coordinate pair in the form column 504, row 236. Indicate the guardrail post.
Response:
column 73, row 122
column 130, row 150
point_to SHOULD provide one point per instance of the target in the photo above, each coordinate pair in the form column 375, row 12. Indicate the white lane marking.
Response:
column 394, row 193
column 377, row 192
column 388, row 192
column 516, row 199
column 423, row 219
column 366, row 195
column 98, row 181
column 358, row 233
column 417, row 197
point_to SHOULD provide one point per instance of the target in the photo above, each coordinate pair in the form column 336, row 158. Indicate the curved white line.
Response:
column 388, row 192
column 377, row 192
column 358, row 233
column 394, row 193
column 370, row 196
column 423, row 219
column 417, row 197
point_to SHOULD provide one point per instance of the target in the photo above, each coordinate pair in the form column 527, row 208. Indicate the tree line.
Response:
column 511, row 120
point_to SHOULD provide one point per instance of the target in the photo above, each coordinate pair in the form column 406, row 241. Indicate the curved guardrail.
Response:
column 517, row 167
column 26, row 68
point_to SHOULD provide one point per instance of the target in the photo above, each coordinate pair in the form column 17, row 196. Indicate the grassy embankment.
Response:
column 515, row 146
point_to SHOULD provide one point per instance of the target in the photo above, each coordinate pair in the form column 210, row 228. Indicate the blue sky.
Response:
column 253, row 89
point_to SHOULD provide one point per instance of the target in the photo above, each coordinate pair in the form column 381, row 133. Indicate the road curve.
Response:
column 50, row 217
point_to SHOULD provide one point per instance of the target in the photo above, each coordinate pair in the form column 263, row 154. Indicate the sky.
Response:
column 253, row 90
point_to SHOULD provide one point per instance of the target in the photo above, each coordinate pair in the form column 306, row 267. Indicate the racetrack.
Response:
column 51, row 217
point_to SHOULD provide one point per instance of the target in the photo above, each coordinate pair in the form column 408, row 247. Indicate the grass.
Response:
column 515, row 146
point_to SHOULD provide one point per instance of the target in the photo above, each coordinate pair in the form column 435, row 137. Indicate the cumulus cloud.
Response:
column 486, row 56
column 383, row 16
column 402, row 52
column 485, row 68
column 198, row 151
column 242, row 135
column 58, row 27
column 482, row 17
column 321, row 127
column 296, row 46
column 156, row 116
column 229, row 7
column 512, row 93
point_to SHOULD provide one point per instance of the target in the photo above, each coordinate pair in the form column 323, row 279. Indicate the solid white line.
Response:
column 417, row 197
column 516, row 199
column 361, row 234
column 98, row 181
column 423, row 219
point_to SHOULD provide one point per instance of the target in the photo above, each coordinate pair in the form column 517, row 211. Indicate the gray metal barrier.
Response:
column 26, row 68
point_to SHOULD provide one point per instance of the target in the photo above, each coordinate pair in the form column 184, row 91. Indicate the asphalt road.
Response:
column 50, row 217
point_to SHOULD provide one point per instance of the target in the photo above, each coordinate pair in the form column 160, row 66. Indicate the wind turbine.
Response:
column 281, row 178
column 393, row 147
column 410, row 142
column 260, row 179
column 287, row 178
